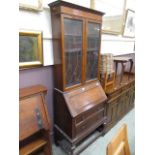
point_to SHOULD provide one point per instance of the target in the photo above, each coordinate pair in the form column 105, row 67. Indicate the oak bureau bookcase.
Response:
column 79, row 100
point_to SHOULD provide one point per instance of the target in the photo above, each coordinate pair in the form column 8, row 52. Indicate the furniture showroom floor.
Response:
column 100, row 145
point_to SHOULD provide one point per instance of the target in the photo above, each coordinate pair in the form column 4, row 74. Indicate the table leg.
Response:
column 131, row 65
column 116, row 69
column 123, row 67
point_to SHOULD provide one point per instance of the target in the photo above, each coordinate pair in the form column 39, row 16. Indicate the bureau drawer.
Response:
column 97, row 117
column 85, row 115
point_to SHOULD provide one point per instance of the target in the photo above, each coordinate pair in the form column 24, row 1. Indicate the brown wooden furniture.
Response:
column 108, row 82
column 120, row 100
column 76, row 43
column 119, row 144
column 107, row 72
column 77, row 114
column 79, row 100
column 123, row 61
column 34, row 125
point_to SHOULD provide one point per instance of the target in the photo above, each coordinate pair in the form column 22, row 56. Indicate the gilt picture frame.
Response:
column 129, row 27
column 35, row 5
column 30, row 49
column 113, row 19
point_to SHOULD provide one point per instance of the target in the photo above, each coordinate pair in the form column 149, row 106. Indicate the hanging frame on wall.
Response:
column 30, row 49
column 35, row 5
column 129, row 27
column 114, row 15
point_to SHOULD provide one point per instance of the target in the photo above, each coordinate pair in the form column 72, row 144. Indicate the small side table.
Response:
column 123, row 61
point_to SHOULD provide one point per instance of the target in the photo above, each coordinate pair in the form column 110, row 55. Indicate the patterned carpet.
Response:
column 100, row 145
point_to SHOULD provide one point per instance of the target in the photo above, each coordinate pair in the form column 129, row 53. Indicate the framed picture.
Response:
column 129, row 27
column 114, row 15
column 35, row 5
column 30, row 49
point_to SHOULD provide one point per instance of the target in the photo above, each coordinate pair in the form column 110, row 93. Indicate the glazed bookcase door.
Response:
column 93, row 47
column 73, row 51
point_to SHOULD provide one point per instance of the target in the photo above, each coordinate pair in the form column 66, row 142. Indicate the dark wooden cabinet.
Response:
column 76, row 43
column 81, row 109
column 77, row 114
column 120, row 102
column 79, row 100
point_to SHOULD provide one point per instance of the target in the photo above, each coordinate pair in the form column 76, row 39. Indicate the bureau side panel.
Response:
column 62, row 117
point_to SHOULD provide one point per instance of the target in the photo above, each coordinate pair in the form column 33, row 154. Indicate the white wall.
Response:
column 41, row 21
column 118, row 44
column 30, row 20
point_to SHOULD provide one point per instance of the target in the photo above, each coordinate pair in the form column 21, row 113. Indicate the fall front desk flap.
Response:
column 84, row 98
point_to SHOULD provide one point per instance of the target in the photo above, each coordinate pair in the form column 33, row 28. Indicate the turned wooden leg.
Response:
column 123, row 67
column 116, row 69
column 131, row 65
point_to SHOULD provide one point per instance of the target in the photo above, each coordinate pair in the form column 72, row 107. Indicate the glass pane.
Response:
column 73, row 51
column 93, row 45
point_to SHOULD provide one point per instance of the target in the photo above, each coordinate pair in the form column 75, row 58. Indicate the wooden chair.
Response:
column 107, row 73
column 34, row 124
column 109, row 81
column 119, row 144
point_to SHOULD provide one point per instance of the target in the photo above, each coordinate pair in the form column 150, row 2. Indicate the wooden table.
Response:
column 123, row 61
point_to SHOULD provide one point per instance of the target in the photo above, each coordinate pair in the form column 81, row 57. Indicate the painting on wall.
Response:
column 129, row 28
column 34, row 5
column 114, row 15
column 30, row 49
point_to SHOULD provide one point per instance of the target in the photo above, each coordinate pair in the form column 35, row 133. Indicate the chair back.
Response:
column 119, row 144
